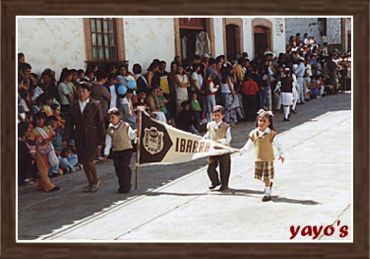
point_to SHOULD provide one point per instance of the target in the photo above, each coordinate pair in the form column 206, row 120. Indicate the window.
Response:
column 103, row 39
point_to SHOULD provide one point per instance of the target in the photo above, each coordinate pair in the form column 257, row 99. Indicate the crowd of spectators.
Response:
column 183, row 97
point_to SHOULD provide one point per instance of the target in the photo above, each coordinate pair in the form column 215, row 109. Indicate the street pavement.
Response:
column 172, row 203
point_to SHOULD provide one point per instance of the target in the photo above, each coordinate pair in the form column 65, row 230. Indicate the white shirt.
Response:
column 108, row 139
column 113, row 93
column 275, row 143
column 215, row 125
column 83, row 104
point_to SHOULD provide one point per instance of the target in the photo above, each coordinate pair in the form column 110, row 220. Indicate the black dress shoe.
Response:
column 286, row 119
column 266, row 198
column 223, row 188
column 212, row 187
column 56, row 188
column 294, row 111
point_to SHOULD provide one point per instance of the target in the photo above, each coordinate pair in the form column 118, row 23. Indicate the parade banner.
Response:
column 164, row 144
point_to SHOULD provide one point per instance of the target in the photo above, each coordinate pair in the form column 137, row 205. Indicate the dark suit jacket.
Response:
column 88, row 128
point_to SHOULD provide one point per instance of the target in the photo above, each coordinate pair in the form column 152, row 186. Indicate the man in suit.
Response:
column 86, row 122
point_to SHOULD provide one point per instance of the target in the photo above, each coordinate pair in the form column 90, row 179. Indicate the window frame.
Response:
column 118, row 37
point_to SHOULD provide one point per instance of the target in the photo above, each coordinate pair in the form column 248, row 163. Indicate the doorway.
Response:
column 232, row 41
column 261, row 40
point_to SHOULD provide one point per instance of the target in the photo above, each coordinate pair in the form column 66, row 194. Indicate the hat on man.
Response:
column 218, row 108
column 268, row 53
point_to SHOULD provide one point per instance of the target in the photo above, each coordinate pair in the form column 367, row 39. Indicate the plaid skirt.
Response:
column 265, row 170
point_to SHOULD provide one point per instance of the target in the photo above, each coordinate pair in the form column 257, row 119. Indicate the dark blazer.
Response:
column 88, row 129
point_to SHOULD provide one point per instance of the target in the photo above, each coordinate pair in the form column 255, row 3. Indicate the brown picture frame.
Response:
column 358, row 249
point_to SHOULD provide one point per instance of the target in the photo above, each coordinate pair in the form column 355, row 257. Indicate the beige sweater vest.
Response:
column 120, row 139
column 219, row 133
column 264, row 148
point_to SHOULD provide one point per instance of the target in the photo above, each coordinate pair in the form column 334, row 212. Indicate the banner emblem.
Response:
column 153, row 140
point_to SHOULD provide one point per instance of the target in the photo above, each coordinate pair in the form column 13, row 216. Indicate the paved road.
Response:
column 172, row 202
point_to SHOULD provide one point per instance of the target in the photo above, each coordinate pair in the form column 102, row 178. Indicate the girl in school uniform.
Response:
column 264, row 139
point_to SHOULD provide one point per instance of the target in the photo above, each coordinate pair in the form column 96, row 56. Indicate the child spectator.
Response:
column 41, row 136
column 57, row 112
column 119, row 137
column 185, row 121
column 58, row 139
column 163, row 101
column 69, row 161
column 46, row 101
column 196, row 110
column 127, row 109
column 154, row 105
column 315, row 91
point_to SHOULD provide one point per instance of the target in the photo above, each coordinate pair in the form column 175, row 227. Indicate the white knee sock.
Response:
column 286, row 111
column 294, row 104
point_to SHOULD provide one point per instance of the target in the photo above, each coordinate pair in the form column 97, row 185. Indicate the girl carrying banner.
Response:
column 263, row 139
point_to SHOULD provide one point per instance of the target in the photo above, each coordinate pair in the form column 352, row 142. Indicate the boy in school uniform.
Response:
column 219, row 131
column 119, row 137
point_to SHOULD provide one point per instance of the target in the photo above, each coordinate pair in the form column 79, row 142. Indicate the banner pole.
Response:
column 138, row 146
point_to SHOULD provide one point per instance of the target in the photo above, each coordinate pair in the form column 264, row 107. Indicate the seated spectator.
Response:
column 36, row 89
column 185, row 121
column 46, row 104
column 155, row 105
column 69, row 161
column 58, row 139
column 163, row 101
column 315, row 87
column 57, row 112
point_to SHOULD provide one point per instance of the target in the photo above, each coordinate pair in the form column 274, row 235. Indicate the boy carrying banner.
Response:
column 119, row 137
column 219, row 131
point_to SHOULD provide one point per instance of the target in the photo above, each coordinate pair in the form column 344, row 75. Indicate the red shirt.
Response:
column 250, row 87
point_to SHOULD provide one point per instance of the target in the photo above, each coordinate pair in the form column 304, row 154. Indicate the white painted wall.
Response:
column 219, row 40
column 248, row 37
column 303, row 25
column 149, row 38
column 334, row 30
column 52, row 43
column 278, row 36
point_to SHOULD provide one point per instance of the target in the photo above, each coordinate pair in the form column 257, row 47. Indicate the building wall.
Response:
column 248, row 37
column 147, row 39
column 334, row 31
column 278, row 38
column 52, row 43
column 219, row 42
column 306, row 25
column 278, row 35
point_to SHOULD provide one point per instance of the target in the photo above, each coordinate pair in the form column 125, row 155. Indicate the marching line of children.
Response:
column 263, row 139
